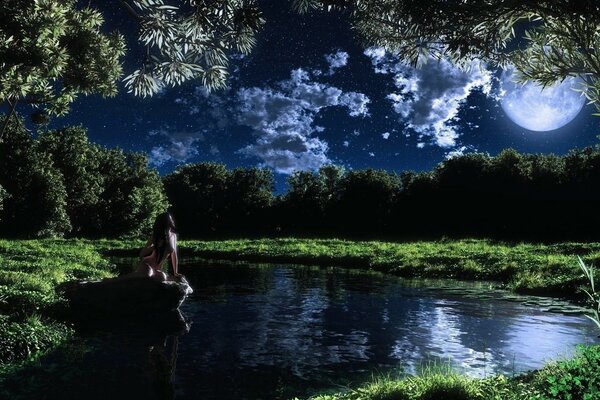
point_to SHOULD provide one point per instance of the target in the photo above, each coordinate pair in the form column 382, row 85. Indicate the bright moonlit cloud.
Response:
column 336, row 61
column 282, row 120
column 176, row 146
column 429, row 98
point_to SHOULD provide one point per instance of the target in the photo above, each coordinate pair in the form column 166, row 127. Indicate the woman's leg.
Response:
column 143, row 270
column 159, row 275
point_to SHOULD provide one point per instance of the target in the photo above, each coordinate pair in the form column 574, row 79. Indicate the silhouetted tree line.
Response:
column 511, row 196
column 58, row 183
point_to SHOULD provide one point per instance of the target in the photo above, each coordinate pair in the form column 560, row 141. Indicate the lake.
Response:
column 279, row 331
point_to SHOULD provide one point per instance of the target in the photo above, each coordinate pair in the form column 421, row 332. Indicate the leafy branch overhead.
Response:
column 190, row 41
column 52, row 51
column 546, row 40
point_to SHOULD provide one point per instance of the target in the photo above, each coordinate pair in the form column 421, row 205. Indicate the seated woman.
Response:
column 161, row 245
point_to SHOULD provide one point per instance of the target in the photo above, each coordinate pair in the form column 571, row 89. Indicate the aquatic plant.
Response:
column 592, row 294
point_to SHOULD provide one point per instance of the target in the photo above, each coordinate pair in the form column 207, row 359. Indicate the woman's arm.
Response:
column 147, row 249
column 174, row 262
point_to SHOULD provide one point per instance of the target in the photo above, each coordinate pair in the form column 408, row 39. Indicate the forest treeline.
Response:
column 60, row 184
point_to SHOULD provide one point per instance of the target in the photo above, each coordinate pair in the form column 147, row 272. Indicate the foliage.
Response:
column 593, row 296
column 133, row 194
column 29, row 273
column 52, row 51
column 36, row 202
column 208, row 198
column 572, row 379
column 21, row 339
column 531, row 268
column 60, row 183
column 509, row 197
column 78, row 161
column 546, row 41
column 190, row 41
column 577, row 378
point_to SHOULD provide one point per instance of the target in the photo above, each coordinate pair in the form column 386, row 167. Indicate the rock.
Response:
column 135, row 296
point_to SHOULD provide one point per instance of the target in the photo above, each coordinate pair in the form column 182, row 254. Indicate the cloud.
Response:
column 459, row 151
column 385, row 135
column 357, row 103
column 176, row 146
column 336, row 60
column 282, row 118
column 289, row 152
column 429, row 98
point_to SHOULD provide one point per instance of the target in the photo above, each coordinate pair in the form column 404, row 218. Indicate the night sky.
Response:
column 310, row 94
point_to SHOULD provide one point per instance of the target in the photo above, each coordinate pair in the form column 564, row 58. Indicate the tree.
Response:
column 78, row 160
column 51, row 51
column 109, row 192
column 302, row 207
column 193, row 40
column 198, row 193
column 248, row 199
column 36, row 201
column 132, row 195
column 546, row 40
column 366, row 201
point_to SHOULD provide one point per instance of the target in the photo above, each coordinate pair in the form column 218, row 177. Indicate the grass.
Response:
column 574, row 379
column 525, row 268
column 30, row 270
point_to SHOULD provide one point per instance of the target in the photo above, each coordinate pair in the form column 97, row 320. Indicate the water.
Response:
column 271, row 331
column 260, row 329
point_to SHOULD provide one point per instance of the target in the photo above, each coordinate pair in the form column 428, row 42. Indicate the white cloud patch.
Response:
column 385, row 135
column 459, row 151
column 429, row 98
column 176, row 146
column 336, row 60
column 282, row 120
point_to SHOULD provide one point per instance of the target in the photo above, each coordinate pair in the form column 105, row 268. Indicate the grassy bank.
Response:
column 29, row 272
column 526, row 268
column 575, row 379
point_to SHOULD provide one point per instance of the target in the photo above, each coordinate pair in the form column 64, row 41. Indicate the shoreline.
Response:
column 31, row 269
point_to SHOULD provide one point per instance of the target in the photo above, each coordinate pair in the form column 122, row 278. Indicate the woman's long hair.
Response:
column 160, row 234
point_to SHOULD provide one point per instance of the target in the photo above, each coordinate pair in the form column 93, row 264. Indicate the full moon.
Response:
column 540, row 110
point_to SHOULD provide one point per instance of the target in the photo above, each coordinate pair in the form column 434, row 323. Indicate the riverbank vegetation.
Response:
column 550, row 269
column 577, row 378
column 29, row 305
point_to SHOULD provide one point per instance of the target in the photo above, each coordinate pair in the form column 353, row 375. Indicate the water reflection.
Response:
column 307, row 328
column 133, row 360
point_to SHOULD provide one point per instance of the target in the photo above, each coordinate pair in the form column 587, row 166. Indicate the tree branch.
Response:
column 8, row 117
column 130, row 10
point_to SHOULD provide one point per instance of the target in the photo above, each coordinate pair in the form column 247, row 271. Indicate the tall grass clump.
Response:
column 593, row 296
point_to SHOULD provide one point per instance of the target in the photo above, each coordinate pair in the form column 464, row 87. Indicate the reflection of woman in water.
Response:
column 161, row 245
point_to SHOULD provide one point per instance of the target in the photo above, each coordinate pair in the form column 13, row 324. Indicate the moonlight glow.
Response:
column 540, row 110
